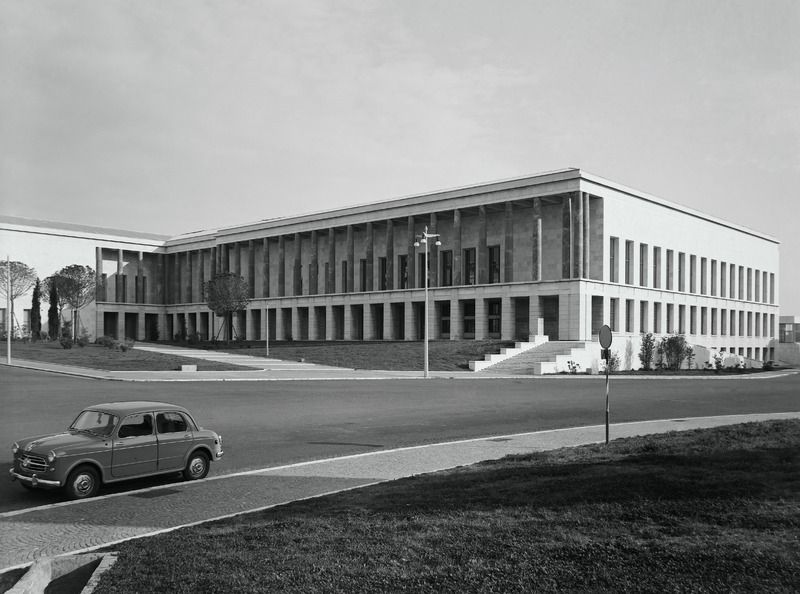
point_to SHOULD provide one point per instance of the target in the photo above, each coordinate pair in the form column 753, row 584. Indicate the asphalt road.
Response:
column 272, row 423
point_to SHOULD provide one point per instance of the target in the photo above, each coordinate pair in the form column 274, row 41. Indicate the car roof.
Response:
column 126, row 408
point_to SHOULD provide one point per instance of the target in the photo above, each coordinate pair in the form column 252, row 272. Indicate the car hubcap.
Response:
column 84, row 484
column 197, row 467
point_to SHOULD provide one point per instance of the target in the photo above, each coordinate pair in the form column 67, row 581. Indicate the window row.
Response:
column 660, row 318
column 716, row 278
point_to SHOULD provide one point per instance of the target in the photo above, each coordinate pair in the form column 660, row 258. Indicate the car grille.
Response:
column 32, row 462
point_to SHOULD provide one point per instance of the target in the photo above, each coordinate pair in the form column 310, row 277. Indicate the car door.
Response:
column 175, row 438
column 135, row 450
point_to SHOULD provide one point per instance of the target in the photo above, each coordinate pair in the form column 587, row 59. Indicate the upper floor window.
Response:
column 494, row 263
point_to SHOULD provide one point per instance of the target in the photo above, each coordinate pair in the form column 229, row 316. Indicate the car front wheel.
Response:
column 83, row 482
column 197, row 467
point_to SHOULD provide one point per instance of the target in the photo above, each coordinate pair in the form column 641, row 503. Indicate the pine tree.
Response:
column 36, row 312
column 52, row 313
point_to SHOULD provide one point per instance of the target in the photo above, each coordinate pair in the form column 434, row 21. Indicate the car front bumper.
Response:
column 33, row 480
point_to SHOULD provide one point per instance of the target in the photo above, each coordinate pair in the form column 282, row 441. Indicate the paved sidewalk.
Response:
column 71, row 527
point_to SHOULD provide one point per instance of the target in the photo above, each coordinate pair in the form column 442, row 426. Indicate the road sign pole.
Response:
column 605, row 344
column 607, row 406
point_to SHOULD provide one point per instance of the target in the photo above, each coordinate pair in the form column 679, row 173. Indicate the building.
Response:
column 559, row 254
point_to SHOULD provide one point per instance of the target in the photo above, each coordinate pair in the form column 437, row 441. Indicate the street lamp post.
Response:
column 423, row 239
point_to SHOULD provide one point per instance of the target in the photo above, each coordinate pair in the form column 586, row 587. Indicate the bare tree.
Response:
column 226, row 294
column 22, row 277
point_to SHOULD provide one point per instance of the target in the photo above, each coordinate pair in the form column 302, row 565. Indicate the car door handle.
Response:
column 188, row 436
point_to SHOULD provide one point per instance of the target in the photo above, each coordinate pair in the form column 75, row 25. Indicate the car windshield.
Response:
column 94, row 421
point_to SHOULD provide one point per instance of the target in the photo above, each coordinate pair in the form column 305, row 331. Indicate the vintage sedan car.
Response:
column 116, row 441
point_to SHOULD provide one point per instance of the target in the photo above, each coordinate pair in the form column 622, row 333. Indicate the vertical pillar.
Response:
column 535, row 319
column 140, row 327
column 297, row 268
column 536, row 260
column 279, row 324
column 201, row 273
column 313, row 333
column 161, row 286
column 508, row 244
column 98, row 274
column 481, row 321
column 433, row 254
column 296, row 333
column 351, row 262
column 483, row 252
column 388, row 322
column 435, row 320
column 566, row 237
column 507, row 319
column 389, row 255
column 457, row 247
column 141, row 296
column 348, row 320
column 313, row 267
column 189, row 275
column 456, row 320
column 412, row 255
column 330, row 280
column 368, row 322
column 120, row 297
column 409, row 321
column 281, row 266
column 330, row 323
column 121, row 326
column 265, row 270
column 370, row 280
column 587, row 252
column 577, row 226
column 251, row 267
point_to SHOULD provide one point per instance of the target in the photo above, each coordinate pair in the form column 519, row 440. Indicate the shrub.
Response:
column 83, row 339
column 674, row 350
column 106, row 341
column 613, row 361
column 65, row 342
column 647, row 350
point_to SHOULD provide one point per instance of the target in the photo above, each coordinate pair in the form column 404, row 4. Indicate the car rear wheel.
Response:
column 197, row 467
column 83, row 482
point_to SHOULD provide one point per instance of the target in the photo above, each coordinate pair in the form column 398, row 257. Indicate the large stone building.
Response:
column 558, row 254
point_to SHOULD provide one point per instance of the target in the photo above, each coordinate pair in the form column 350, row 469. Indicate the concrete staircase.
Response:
column 507, row 353
column 542, row 357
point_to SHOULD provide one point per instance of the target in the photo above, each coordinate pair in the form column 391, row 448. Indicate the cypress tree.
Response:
column 52, row 313
column 36, row 313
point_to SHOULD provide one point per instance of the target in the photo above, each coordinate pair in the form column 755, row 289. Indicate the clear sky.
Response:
column 176, row 116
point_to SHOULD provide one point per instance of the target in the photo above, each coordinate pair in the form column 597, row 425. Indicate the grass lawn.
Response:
column 95, row 356
column 443, row 355
column 710, row 510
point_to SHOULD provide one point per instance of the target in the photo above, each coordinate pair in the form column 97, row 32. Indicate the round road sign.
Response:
column 605, row 337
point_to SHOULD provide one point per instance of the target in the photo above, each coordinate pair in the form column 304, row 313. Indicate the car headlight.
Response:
column 15, row 448
column 51, row 456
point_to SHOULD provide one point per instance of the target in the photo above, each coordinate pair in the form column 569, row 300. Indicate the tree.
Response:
column 53, row 313
column 22, row 277
column 226, row 294
column 675, row 350
column 75, row 286
column 647, row 350
column 36, row 311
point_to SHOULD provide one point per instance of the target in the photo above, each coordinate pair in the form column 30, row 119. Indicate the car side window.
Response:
column 171, row 422
column 136, row 426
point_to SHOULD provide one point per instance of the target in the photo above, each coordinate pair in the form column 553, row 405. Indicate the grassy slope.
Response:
column 712, row 510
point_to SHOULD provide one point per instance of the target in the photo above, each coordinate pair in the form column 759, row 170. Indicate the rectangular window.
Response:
column 613, row 260
column 758, row 324
column 362, row 274
column 732, row 279
column 693, row 319
column 670, row 271
column 723, row 278
column 493, row 316
column 704, row 320
column 656, row 267
column 643, row 264
column 749, row 284
column 469, row 317
column 723, row 322
column 714, row 277
column 643, row 315
column 383, row 281
column 447, row 267
column 444, row 318
column 741, row 282
column 681, row 271
column 344, row 276
column 772, row 288
column 494, row 263
column 614, row 314
column 757, row 293
column 682, row 319
column 693, row 274
column 741, row 323
column 670, row 318
column 703, row 276
column 764, row 287
column 469, row 266
column 628, row 262
column 629, row 315
column 749, row 323
column 657, row 317
column 765, row 321
column 772, row 325
column 402, row 271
